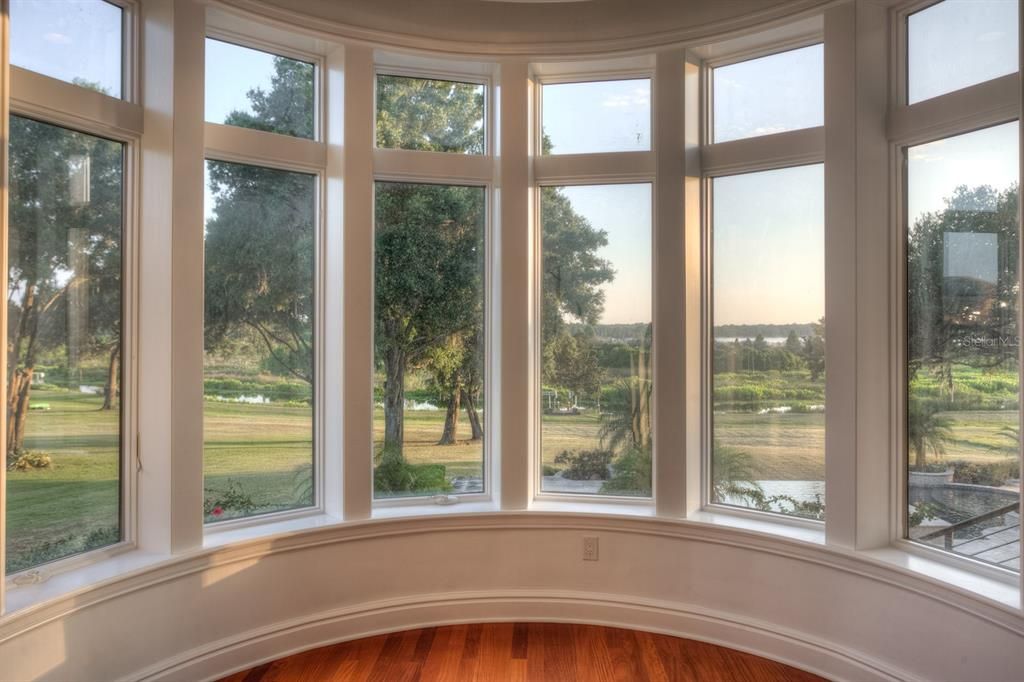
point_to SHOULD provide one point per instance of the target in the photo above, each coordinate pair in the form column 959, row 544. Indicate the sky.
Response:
column 68, row 39
column 624, row 213
column 984, row 33
column 772, row 94
column 768, row 246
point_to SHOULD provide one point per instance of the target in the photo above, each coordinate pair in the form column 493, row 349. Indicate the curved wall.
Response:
column 219, row 611
column 204, row 614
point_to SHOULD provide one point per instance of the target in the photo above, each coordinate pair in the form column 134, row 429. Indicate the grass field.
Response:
column 265, row 451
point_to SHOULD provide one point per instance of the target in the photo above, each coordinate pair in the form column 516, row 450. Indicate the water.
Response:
column 956, row 502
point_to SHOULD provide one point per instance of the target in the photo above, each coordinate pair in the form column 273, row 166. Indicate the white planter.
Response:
column 926, row 479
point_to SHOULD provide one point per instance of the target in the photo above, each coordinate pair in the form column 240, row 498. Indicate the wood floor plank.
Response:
column 521, row 652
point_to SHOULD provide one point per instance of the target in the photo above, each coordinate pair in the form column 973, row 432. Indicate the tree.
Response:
column 429, row 281
column 814, row 350
column 64, row 254
column 968, row 319
column 570, row 363
column 926, row 430
column 793, row 343
column 260, row 262
column 430, row 115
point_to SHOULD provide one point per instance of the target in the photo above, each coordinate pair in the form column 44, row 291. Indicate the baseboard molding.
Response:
column 260, row 645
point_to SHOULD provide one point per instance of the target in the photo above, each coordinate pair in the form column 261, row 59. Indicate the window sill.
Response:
column 597, row 506
column 1002, row 591
column 61, row 583
column 214, row 537
column 765, row 524
column 424, row 507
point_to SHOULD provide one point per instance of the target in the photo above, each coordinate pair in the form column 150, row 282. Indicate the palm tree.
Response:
column 926, row 430
column 733, row 474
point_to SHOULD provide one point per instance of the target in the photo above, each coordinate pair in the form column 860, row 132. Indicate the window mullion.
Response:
column 515, row 333
column 671, row 409
column 403, row 165
column 186, row 415
column 357, row 321
column 81, row 108
column 792, row 148
column 244, row 145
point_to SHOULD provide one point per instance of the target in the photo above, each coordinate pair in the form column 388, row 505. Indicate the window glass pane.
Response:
column 429, row 340
column 773, row 94
column 63, row 343
column 253, row 89
column 957, row 43
column 78, row 41
column 963, row 436
column 768, row 362
column 430, row 115
column 598, row 116
column 596, row 382
column 259, row 364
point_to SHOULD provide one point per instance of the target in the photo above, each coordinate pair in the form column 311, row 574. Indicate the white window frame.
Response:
column 586, row 169
column 789, row 149
column 962, row 111
column 276, row 151
column 56, row 102
column 446, row 169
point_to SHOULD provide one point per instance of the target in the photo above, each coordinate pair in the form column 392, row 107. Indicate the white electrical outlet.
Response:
column 590, row 549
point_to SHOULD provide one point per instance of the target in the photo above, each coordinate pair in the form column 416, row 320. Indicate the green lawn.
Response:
column 264, row 452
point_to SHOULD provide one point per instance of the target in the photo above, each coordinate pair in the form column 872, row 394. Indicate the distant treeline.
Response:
column 750, row 331
column 612, row 332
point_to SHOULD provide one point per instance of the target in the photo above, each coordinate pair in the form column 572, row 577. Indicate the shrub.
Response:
column 28, row 459
column 993, row 474
column 394, row 475
column 585, row 465
column 228, row 500
column 631, row 474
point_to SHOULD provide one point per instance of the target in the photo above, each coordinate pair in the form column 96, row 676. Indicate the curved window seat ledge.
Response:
column 131, row 569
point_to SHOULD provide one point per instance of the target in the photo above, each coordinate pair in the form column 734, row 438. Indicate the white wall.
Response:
column 813, row 607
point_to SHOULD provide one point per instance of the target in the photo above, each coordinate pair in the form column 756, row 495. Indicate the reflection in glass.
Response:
column 430, row 115
column 78, row 41
column 596, row 381
column 962, row 341
column 253, row 89
column 596, row 116
column 768, row 357
column 258, row 368
column 63, row 343
column 429, row 340
column 773, row 94
column 957, row 43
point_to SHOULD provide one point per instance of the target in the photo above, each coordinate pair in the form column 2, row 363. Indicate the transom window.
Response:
column 596, row 116
column 427, row 114
column 250, row 88
column 78, row 41
column 773, row 94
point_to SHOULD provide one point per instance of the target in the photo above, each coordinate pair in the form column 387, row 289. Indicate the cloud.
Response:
column 639, row 97
column 57, row 38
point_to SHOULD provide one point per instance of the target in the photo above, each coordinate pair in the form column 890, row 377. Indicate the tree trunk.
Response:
column 451, row 419
column 473, row 415
column 919, row 454
column 19, row 384
column 17, row 411
column 394, row 399
column 110, row 389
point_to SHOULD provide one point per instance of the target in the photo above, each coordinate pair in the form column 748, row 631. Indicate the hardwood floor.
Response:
column 521, row 651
